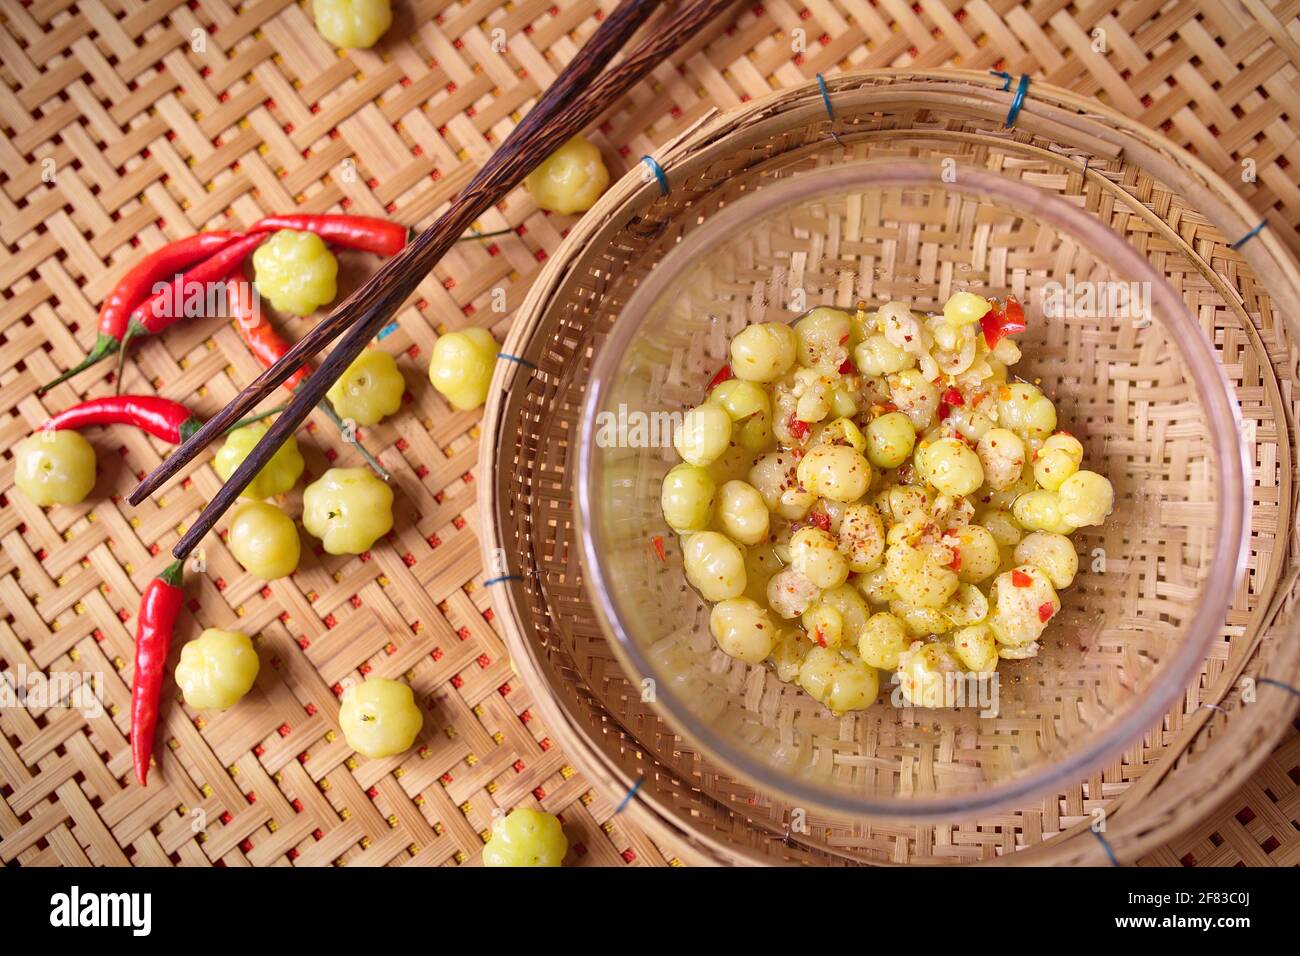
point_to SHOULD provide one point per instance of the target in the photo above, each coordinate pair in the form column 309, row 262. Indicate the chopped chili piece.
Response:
column 1020, row 579
column 955, row 563
column 1045, row 611
column 821, row 519
column 821, row 638
column 952, row 397
column 799, row 429
column 719, row 377
column 846, row 367
column 1000, row 321
column 658, row 542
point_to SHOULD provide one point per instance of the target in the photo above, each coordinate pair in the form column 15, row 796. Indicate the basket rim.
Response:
column 1133, row 833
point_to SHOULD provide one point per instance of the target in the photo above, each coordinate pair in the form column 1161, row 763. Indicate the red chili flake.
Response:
column 846, row 367
column 844, row 338
column 799, row 429
column 821, row 519
column 658, row 542
column 1045, row 611
column 721, row 376
column 955, row 563
column 952, row 397
column 944, row 410
column 1020, row 579
column 821, row 638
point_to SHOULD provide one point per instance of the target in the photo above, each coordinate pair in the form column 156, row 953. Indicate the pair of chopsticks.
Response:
column 579, row 94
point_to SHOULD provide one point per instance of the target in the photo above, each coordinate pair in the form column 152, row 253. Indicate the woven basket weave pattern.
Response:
column 154, row 135
column 571, row 306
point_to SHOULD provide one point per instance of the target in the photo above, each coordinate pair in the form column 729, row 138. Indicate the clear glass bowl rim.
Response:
column 1220, row 408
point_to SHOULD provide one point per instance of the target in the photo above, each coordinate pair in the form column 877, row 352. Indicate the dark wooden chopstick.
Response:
column 578, row 100
column 608, row 39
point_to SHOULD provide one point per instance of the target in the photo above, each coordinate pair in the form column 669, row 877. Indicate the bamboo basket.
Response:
column 153, row 136
column 1189, row 224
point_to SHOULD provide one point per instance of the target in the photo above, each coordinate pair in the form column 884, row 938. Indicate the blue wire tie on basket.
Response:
column 630, row 794
column 504, row 577
column 1019, row 99
column 386, row 331
column 1249, row 236
column 1277, row 683
column 1114, row 860
column 659, row 173
column 826, row 101
column 515, row 358
column 826, row 96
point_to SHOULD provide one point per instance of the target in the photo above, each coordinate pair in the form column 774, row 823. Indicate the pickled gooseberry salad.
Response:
column 875, row 492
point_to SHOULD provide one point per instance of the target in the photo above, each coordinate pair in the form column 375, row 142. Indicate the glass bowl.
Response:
column 1133, row 377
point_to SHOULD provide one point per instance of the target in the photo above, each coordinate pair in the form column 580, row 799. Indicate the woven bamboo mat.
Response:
column 149, row 120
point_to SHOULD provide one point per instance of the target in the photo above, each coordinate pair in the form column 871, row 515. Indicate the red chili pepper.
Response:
column 352, row 232
column 798, row 428
column 159, row 606
column 944, row 410
column 167, row 305
column 136, row 286
column 658, row 542
column 955, row 563
column 161, row 417
column 1045, row 611
column 1000, row 322
column 261, row 337
column 1020, row 579
column 846, row 367
column 719, row 377
column 821, row 638
column 821, row 519
column 952, row 397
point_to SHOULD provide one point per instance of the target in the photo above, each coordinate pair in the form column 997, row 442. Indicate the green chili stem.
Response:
column 256, row 418
column 485, row 235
